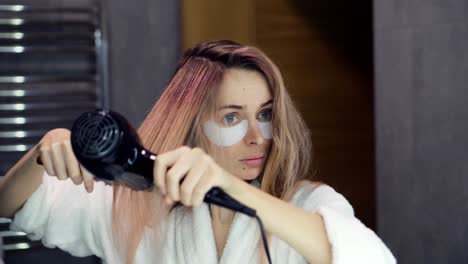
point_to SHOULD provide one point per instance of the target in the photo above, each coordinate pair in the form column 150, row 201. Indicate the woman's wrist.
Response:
column 234, row 186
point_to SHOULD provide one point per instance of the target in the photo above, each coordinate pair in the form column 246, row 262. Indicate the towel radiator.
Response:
column 53, row 67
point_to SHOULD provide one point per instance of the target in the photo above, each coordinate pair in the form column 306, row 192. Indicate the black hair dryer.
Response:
column 108, row 146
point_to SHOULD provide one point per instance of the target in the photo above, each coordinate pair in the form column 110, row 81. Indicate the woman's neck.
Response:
column 221, row 214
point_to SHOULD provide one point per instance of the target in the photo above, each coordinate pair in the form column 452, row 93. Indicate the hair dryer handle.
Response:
column 219, row 197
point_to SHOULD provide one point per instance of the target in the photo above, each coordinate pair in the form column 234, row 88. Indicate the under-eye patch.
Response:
column 265, row 128
column 225, row 136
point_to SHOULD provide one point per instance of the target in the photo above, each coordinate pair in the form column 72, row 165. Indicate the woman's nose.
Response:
column 254, row 135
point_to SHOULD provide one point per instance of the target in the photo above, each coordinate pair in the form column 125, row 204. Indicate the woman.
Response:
column 224, row 120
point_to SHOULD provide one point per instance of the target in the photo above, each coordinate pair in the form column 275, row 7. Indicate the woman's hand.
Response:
column 56, row 155
column 198, row 170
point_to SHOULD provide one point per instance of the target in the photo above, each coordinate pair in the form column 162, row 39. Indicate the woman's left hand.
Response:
column 199, row 171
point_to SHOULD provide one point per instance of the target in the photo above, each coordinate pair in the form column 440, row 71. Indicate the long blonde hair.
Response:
column 175, row 121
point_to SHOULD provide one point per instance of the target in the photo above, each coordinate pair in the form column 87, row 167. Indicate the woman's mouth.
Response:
column 253, row 162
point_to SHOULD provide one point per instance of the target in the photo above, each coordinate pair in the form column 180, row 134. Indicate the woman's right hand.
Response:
column 56, row 155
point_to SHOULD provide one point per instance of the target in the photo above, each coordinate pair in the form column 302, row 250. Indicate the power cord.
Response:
column 265, row 242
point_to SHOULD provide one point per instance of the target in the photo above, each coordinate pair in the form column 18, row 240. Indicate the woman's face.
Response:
column 240, row 131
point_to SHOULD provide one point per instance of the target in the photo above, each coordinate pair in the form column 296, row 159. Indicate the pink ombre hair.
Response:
column 175, row 121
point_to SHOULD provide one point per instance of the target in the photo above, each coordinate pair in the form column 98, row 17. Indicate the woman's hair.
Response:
column 175, row 121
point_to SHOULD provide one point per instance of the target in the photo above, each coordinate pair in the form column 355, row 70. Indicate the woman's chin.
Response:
column 249, row 174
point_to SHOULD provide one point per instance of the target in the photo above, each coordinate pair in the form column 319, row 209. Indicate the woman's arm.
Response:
column 19, row 183
column 302, row 230
column 25, row 176
column 322, row 230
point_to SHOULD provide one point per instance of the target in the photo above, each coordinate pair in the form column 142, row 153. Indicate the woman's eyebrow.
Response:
column 266, row 103
column 241, row 107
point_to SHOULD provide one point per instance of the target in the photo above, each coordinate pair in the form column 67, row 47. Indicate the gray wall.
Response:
column 144, row 46
column 421, row 96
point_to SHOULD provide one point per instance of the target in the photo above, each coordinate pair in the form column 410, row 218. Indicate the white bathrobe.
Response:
column 64, row 215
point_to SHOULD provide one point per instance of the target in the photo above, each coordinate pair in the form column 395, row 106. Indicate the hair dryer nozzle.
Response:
column 109, row 147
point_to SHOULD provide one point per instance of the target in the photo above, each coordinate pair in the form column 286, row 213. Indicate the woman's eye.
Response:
column 265, row 115
column 230, row 119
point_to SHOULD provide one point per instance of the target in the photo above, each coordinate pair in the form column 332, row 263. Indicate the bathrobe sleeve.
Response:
column 62, row 214
column 351, row 241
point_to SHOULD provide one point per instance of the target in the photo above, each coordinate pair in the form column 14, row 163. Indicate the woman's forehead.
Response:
column 245, row 88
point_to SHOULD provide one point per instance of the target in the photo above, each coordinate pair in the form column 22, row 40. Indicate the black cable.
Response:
column 265, row 242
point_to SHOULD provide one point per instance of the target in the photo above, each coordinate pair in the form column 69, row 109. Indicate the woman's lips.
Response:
column 252, row 162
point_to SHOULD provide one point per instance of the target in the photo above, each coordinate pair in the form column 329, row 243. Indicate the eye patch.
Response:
column 228, row 136
column 225, row 136
column 265, row 129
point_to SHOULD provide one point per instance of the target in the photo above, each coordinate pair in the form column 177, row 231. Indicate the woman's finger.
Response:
column 159, row 172
column 45, row 154
column 168, row 200
column 162, row 163
column 58, row 161
column 72, row 165
column 182, row 166
column 88, row 179
column 190, row 181
column 202, row 187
